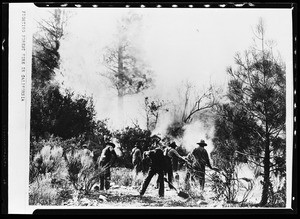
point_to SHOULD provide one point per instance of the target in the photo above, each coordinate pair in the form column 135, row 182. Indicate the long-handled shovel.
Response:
column 179, row 193
column 190, row 166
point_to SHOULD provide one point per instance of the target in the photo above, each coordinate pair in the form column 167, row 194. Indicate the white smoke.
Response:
column 196, row 131
column 162, row 125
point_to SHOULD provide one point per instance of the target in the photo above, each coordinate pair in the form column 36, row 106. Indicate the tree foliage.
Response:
column 233, row 133
column 193, row 101
column 46, row 44
column 128, row 137
column 53, row 111
column 153, row 109
column 64, row 116
column 126, row 70
column 257, row 88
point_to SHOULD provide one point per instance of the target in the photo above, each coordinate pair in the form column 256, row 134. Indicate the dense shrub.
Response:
column 42, row 192
column 74, row 166
column 60, row 113
column 127, row 138
column 278, row 193
column 231, row 188
column 82, row 171
column 49, row 160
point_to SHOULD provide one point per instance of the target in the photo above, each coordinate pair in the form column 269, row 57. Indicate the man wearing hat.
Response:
column 136, row 157
column 156, row 141
column 156, row 167
column 86, row 155
column 198, row 159
column 106, row 160
column 86, row 150
column 170, row 154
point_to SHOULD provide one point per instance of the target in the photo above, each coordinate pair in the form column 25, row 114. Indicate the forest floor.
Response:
column 120, row 196
column 129, row 197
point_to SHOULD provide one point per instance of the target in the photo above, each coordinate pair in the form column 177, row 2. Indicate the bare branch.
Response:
column 197, row 107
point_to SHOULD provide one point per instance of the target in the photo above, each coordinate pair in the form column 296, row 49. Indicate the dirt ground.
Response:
column 128, row 197
column 120, row 196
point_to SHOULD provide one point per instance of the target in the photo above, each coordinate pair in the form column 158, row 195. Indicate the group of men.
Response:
column 160, row 163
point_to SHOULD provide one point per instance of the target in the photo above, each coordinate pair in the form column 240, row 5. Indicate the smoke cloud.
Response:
column 196, row 131
column 162, row 125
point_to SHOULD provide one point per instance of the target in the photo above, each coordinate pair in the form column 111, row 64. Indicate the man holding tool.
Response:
column 198, row 159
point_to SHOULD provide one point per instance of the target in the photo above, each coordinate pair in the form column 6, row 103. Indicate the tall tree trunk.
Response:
column 266, row 181
column 121, row 88
column 121, row 110
column 148, row 122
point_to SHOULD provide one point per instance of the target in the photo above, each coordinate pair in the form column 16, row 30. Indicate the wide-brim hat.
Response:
column 156, row 137
column 173, row 144
column 202, row 143
column 110, row 144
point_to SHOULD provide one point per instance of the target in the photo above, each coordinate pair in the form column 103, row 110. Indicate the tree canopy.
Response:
column 257, row 90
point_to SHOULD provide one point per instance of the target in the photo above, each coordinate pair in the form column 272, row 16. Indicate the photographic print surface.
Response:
column 152, row 107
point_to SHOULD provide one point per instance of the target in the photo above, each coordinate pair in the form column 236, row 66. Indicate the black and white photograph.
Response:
column 150, row 108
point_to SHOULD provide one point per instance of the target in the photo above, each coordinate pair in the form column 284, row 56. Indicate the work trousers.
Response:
column 169, row 170
column 146, row 182
column 200, row 176
column 137, row 167
column 105, row 177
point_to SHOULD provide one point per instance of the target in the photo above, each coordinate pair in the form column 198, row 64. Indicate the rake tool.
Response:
column 179, row 193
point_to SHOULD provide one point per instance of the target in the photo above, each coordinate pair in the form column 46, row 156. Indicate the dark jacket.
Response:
column 156, row 159
column 136, row 155
column 172, row 153
column 108, row 156
column 201, row 158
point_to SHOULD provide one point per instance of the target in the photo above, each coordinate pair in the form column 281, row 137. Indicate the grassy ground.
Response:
column 124, row 192
column 55, row 189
